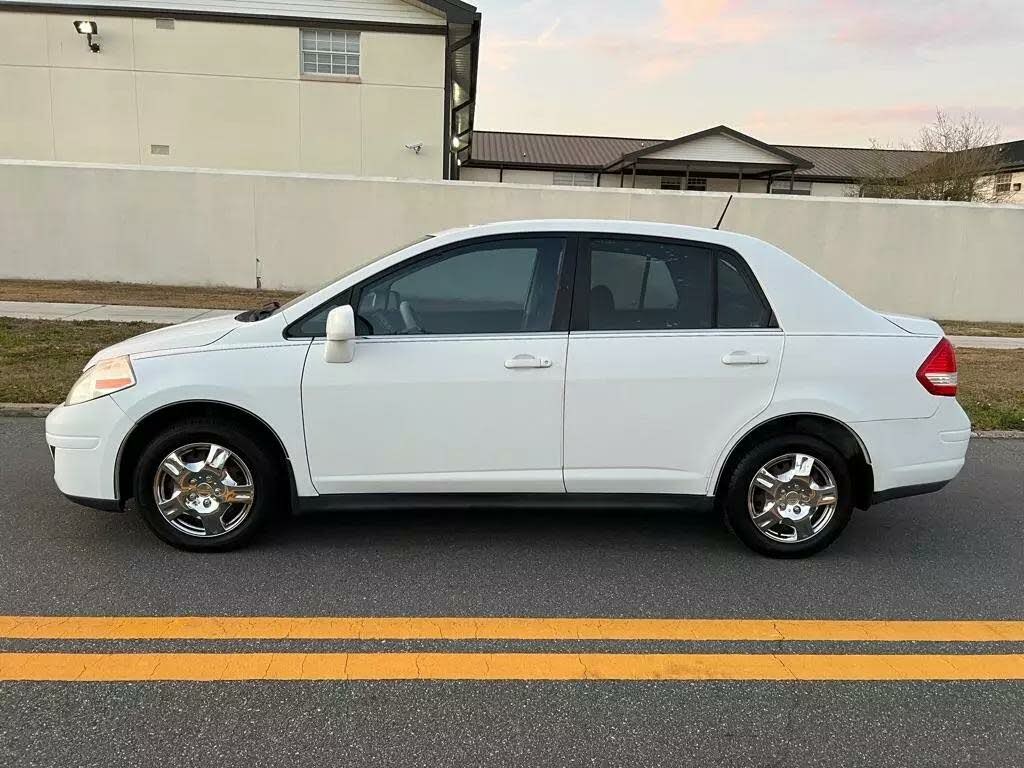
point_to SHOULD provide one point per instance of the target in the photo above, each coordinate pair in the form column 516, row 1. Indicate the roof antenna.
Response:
column 720, row 218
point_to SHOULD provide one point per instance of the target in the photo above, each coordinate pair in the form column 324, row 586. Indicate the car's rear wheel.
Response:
column 791, row 496
column 204, row 486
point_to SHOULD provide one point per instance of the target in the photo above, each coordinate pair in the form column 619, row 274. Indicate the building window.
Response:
column 781, row 187
column 330, row 52
column 671, row 183
column 1004, row 182
column 697, row 184
column 574, row 179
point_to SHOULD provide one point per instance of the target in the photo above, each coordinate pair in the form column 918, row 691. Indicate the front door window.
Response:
column 506, row 286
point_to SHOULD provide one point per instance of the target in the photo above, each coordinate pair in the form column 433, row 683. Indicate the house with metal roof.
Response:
column 718, row 159
column 365, row 87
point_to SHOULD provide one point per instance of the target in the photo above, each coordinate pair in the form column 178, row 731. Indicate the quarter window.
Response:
column 507, row 286
column 739, row 304
column 330, row 52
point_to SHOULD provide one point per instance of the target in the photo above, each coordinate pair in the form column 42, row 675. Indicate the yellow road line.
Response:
column 120, row 667
column 415, row 628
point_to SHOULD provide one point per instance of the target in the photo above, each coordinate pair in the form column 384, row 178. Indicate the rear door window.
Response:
column 638, row 285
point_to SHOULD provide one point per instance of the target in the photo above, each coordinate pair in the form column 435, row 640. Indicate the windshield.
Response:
column 334, row 279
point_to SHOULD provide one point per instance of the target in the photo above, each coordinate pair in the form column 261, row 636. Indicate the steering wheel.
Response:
column 409, row 317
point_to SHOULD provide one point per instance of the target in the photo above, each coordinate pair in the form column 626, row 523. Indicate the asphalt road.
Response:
column 955, row 555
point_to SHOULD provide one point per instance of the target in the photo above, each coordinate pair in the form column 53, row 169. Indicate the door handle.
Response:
column 742, row 357
column 527, row 361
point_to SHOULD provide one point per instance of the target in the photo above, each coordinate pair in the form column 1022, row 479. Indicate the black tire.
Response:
column 734, row 499
column 262, row 461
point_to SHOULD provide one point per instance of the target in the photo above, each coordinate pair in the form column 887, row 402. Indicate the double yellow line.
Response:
column 503, row 666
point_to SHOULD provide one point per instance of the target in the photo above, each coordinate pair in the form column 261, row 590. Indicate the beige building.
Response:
column 364, row 87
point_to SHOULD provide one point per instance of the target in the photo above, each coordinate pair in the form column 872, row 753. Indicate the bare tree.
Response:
column 952, row 159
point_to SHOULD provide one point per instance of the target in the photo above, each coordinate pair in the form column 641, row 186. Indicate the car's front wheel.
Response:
column 790, row 496
column 204, row 486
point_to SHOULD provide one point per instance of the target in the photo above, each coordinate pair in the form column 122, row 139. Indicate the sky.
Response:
column 832, row 72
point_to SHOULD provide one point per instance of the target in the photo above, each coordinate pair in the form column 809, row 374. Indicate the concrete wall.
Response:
column 218, row 95
column 75, row 222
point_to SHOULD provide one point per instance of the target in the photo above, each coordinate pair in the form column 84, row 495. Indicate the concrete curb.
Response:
column 25, row 409
column 41, row 409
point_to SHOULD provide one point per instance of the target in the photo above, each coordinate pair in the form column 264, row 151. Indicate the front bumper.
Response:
column 85, row 441
column 912, row 456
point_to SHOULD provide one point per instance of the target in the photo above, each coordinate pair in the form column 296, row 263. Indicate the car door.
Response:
column 673, row 349
column 457, row 381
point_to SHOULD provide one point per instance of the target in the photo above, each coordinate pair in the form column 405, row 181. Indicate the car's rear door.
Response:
column 673, row 349
column 458, row 377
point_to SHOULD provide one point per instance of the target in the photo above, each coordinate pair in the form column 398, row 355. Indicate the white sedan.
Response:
column 594, row 362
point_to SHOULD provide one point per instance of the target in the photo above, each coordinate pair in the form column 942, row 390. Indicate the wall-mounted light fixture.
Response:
column 88, row 28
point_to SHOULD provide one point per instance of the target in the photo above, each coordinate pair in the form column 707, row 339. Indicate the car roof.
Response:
column 617, row 226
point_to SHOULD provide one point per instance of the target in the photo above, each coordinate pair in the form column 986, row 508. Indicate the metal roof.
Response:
column 596, row 152
column 858, row 163
column 1011, row 154
column 585, row 152
column 413, row 12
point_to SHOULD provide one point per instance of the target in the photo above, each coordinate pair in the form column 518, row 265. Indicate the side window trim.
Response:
column 580, row 318
column 563, row 299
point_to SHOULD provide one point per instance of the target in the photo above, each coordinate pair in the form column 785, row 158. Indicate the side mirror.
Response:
column 341, row 334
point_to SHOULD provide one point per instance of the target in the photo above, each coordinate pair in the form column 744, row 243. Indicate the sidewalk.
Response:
column 120, row 313
column 37, row 310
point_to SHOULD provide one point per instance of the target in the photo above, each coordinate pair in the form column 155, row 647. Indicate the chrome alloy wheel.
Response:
column 792, row 498
column 203, row 490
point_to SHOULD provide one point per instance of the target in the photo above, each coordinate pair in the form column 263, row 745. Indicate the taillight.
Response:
column 937, row 373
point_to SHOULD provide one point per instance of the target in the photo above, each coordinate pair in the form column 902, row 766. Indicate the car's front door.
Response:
column 673, row 349
column 458, row 376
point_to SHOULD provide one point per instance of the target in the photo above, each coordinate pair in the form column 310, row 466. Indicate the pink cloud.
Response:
column 715, row 22
column 888, row 124
column 681, row 31
column 918, row 25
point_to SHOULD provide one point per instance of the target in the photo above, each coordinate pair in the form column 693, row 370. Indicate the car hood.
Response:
column 195, row 333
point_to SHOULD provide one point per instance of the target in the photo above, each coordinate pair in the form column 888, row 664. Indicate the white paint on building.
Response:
column 717, row 148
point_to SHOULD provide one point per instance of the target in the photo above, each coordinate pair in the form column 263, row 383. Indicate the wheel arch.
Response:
column 155, row 421
column 833, row 431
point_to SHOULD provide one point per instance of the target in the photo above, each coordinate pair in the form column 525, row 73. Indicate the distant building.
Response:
column 719, row 159
column 365, row 87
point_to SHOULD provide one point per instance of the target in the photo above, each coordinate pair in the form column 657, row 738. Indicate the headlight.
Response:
column 104, row 378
